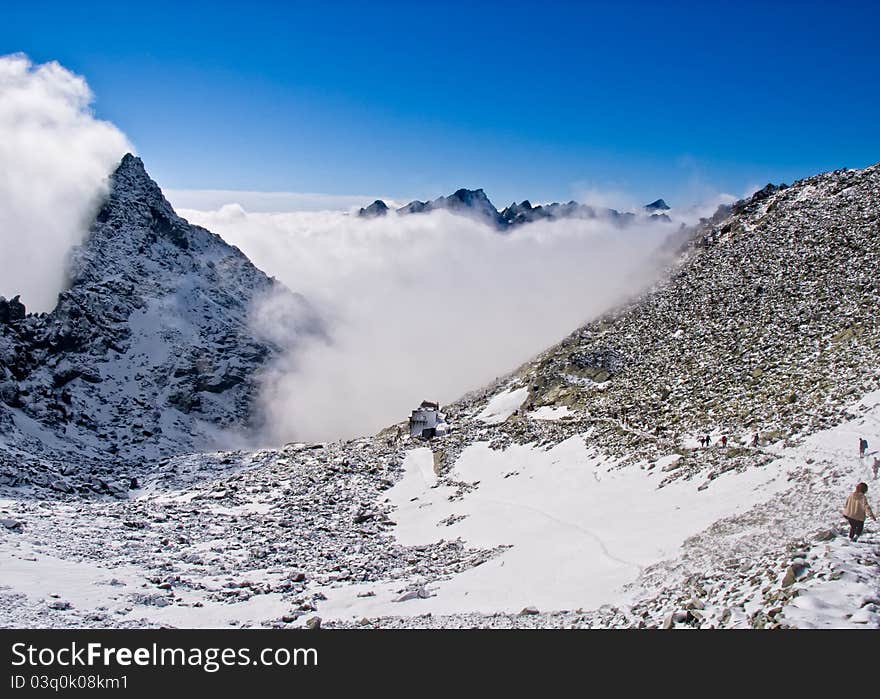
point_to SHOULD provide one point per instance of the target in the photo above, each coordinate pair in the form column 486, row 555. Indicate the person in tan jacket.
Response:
column 855, row 510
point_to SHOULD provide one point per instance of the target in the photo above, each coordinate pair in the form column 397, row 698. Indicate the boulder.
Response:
column 12, row 310
column 795, row 572
column 12, row 525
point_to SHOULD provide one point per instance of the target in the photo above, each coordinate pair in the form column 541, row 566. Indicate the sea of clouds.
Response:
column 426, row 306
column 416, row 307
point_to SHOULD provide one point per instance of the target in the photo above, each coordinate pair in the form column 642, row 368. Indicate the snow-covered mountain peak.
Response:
column 152, row 348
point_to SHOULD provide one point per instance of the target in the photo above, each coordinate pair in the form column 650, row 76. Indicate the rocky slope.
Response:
column 767, row 324
column 151, row 350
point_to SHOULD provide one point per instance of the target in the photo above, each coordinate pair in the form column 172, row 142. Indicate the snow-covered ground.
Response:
column 578, row 529
column 502, row 406
column 570, row 535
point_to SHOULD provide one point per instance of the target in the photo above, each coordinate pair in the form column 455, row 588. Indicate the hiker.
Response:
column 755, row 440
column 863, row 447
column 724, row 440
column 855, row 509
column 708, row 441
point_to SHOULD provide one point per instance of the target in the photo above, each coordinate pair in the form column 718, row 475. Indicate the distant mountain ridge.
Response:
column 475, row 203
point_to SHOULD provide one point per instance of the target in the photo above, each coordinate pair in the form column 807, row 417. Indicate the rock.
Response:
column 529, row 611
column 59, row 605
column 361, row 517
column 421, row 593
column 668, row 621
column 313, row 622
column 297, row 577
column 12, row 525
column 12, row 310
column 680, row 616
column 377, row 208
column 825, row 535
column 793, row 573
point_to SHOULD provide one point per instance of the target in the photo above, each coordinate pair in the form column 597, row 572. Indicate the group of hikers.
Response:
column 856, row 508
column 706, row 441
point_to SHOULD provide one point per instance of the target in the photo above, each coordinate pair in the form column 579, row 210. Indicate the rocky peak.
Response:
column 152, row 348
column 469, row 197
column 377, row 208
column 473, row 202
column 657, row 205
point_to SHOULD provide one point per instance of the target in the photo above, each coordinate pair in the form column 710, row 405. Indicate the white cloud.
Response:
column 55, row 157
column 609, row 198
column 214, row 199
column 425, row 306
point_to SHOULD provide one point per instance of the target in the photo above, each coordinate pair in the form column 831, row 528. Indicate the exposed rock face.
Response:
column 475, row 203
column 657, row 205
column 151, row 349
column 12, row 310
column 468, row 202
column 374, row 210
column 524, row 212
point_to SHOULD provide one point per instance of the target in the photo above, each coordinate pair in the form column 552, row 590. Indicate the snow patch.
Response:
column 502, row 406
column 550, row 412
column 579, row 528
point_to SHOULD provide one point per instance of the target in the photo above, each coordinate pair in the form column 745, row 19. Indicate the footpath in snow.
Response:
column 578, row 529
column 561, row 532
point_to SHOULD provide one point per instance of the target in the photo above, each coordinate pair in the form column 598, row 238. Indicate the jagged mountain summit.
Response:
column 658, row 205
column 151, row 350
column 377, row 208
column 475, row 203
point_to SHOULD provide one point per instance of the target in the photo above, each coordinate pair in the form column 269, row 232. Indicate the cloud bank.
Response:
column 425, row 306
column 213, row 199
column 55, row 157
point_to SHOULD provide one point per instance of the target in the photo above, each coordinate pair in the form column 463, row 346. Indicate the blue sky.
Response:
column 528, row 100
